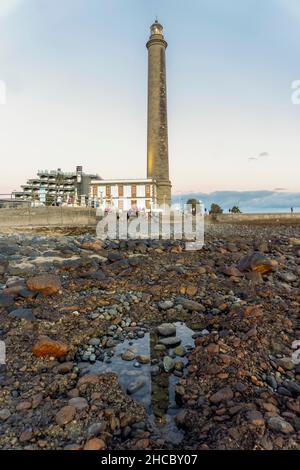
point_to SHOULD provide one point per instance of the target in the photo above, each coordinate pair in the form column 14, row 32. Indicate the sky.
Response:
column 76, row 90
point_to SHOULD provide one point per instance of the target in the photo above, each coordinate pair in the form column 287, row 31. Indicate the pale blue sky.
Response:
column 76, row 76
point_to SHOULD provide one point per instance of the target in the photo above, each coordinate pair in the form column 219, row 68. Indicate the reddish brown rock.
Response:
column 95, row 444
column 223, row 394
column 47, row 284
column 48, row 347
column 65, row 415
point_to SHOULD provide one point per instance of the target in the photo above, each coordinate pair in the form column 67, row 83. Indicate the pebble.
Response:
column 128, row 355
column 168, row 363
column 4, row 414
column 65, row 415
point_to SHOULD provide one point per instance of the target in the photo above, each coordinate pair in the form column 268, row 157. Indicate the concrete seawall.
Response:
column 83, row 216
column 255, row 218
column 47, row 216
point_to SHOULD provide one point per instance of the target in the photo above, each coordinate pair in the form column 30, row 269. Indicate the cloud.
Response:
column 264, row 154
column 8, row 6
column 261, row 155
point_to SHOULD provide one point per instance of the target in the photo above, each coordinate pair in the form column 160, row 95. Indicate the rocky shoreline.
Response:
column 69, row 302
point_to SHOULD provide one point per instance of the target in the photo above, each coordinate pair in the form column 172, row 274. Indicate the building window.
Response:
column 121, row 190
column 148, row 206
column 108, row 191
column 133, row 190
column 94, row 189
column 148, row 191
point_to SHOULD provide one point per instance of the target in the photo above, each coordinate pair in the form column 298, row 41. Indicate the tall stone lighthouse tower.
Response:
column 157, row 146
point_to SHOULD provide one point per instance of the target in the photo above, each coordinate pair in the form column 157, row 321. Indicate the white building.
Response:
column 123, row 195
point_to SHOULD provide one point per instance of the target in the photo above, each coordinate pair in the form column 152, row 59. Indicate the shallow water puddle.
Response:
column 147, row 383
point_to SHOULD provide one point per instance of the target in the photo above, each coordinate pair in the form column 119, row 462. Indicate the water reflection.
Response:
column 157, row 392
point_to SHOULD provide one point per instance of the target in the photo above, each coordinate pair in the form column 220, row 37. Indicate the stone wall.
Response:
column 47, row 216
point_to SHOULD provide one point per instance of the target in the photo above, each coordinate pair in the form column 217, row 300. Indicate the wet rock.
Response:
column 135, row 386
column 180, row 351
column 168, row 363
column 179, row 366
column 47, row 284
column 128, row 355
column 143, row 359
column 46, row 346
column 170, row 342
column 23, row 313
column 166, row 329
column 65, row 415
column 272, row 381
column 278, row 424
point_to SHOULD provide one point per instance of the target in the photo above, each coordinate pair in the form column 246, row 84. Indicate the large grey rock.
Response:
column 23, row 313
column 166, row 329
column 170, row 342
column 276, row 423
column 166, row 304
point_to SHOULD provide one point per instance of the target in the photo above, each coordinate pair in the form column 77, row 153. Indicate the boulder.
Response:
column 47, row 284
column 257, row 262
column 46, row 346
column 166, row 329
